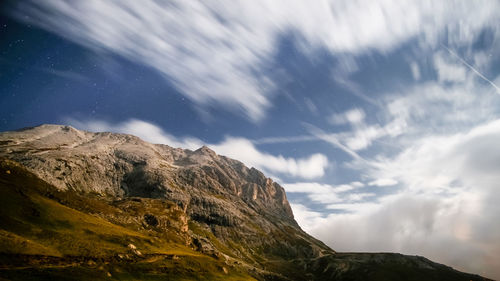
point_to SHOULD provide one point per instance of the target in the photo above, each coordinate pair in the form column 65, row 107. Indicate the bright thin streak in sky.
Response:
column 473, row 69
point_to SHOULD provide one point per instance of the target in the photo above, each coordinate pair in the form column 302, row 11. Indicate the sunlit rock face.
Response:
column 124, row 165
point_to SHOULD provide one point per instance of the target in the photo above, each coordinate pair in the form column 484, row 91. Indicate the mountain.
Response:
column 87, row 206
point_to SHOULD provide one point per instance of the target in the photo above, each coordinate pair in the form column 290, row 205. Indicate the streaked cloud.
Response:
column 216, row 52
column 474, row 69
column 431, row 166
column 306, row 218
column 353, row 116
column 67, row 74
column 448, row 71
column 445, row 229
column 415, row 71
column 446, row 163
column 442, row 172
column 328, row 194
column 314, row 187
column 242, row 149
column 383, row 182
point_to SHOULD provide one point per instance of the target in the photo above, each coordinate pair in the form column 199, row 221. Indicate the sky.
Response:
column 381, row 119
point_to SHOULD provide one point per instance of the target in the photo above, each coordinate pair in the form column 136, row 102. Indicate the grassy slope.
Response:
column 42, row 239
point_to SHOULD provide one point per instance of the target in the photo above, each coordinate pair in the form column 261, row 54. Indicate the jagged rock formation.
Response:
column 211, row 203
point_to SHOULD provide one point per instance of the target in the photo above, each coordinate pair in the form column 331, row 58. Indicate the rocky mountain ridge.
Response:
column 209, row 203
column 124, row 165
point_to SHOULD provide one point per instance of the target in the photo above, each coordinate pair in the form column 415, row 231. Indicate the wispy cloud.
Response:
column 332, row 139
column 242, row 149
column 216, row 52
column 430, row 173
column 383, row 182
column 353, row 116
column 442, row 176
column 328, row 194
column 448, row 71
column 353, row 88
column 415, row 70
column 473, row 69
column 67, row 74
column 289, row 139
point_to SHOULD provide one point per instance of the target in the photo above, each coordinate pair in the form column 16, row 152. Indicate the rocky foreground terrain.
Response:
column 77, row 205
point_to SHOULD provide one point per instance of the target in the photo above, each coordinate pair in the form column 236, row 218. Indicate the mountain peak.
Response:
column 124, row 165
column 205, row 150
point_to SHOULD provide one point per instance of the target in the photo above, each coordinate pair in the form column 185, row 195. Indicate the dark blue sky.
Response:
column 369, row 113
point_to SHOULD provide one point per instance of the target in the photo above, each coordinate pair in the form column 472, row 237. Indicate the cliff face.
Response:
column 206, row 202
column 123, row 165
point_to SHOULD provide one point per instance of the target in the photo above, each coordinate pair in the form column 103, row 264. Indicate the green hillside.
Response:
column 43, row 239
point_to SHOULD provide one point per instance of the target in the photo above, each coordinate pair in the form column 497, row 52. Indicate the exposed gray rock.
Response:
column 220, row 195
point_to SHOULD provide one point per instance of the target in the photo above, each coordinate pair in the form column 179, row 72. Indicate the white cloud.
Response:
column 474, row 69
column 433, row 108
column 383, row 182
column 447, row 230
column 357, row 184
column 415, row 71
column 443, row 208
column 438, row 143
column 439, row 146
column 360, row 196
column 448, row 71
column 214, row 52
column 242, row 149
column 348, row 187
column 307, row 219
column 311, row 106
column 339, row 75
column 446, row 162
column 307, row 187
column 238, row 148
column 355, row 207
column 320, row 188
column 353, row 116
column 328, row 194
column 288, row 139
column 333, row 139
column 362, row 135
